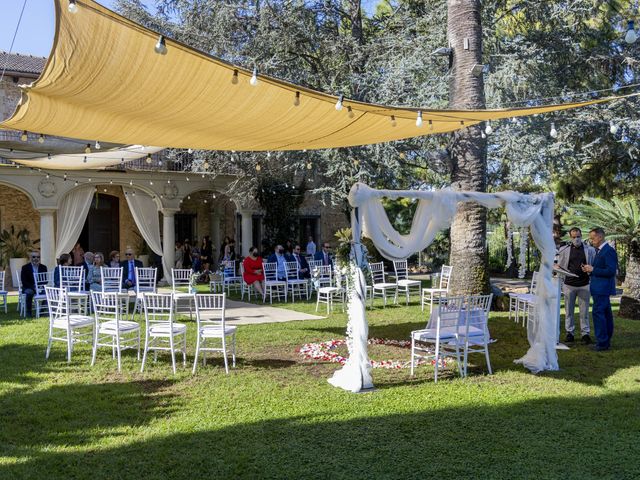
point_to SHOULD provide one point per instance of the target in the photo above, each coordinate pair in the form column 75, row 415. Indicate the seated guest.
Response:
column 129, row 269
column 63, row 261
column 253, row 270
column 226, row 255
column 324, row 255
column 114, row 259
column 88, row 267
column 196, row 263
column 28, row 279
column 95, row 282
column 303, row 266
column 279, row 256
column 179, row 254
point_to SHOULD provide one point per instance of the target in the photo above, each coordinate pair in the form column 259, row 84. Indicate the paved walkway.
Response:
column 242, row 313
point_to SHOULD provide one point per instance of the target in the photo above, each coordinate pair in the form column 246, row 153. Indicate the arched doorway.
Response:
column 101, row 231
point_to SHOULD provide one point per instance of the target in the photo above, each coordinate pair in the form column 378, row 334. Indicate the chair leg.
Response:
column 461, row 369
column 146, row 349
column 173, row 354
column 119, row 351
column 435, row 379
column 138, row 344
column 486, row 354
column 69, row 343
column 46, row 355
column 224, row 353
column 184, row 349
column 466, row 356
column 233, row 351
column 95, row 350
column 195, row 360
column 413, row 349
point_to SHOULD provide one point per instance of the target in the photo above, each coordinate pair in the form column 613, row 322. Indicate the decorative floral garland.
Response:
column 524, row 239
column 325, row 351
column 509, row 245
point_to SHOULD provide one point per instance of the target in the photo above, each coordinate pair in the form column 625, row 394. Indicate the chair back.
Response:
column 401, row 269
column 2, row 281
column 270, row 272
column 325, row 276
column 41, row 279
column 291, row 271
column 377, row 272
column 109, row 306
column 229, row 271
column 445, row 277
column 534, row 282
column 314, row 263
column 450, row 312
column 111, row 279
column 477, row 311
column 309, row 259
column 146, row 279
column 210, row 310
column 17, row 281
column 56, row 302
column 180, row 278
column 72, row 278
column 158, row 308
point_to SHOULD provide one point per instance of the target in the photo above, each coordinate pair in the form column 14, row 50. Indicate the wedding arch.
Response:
column 435, row 212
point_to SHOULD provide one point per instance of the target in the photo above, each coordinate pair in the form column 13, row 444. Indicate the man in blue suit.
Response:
column 280, row 257
column 324, row 255
column 603, row 285
column 303, row 266
column 129, row 269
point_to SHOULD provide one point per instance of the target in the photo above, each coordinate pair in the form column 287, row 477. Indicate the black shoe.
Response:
column 569, row 338
column 586, row 339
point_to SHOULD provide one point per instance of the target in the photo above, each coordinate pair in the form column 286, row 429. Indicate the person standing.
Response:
column 311, row 247
column 603, row 285
column 572, row 257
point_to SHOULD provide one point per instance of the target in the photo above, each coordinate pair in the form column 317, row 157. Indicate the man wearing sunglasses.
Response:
column 129, row 269
column 28, row 279
column 324, row 255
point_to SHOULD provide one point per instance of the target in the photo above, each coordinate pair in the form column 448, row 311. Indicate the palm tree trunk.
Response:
column 630, row 301
column 468, row 149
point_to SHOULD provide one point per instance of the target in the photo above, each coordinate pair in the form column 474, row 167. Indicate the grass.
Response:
column 275, row 415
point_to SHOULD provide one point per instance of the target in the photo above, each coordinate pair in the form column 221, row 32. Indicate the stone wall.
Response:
column 10, row 94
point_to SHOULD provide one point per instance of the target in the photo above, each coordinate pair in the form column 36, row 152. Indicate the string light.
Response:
column 161, row 46
column 98, row 146
column 87, row 149
column 268, row 154
column 47, row 175
column 133, row 193
column 84, row 159
column 254, row 77
column 187, row 179
column 131, row 183
column 350, row 112
column 553, row 132
column 72, row 7
column 75, row 184
column 393, row 121
column 309, row 166
column 430, row 124
column 188, row 197
column 24, row 137
column 482, row 134
column 49, row 156
column 168, row 181
column 419, row 120
column 234, row 81
column 631, row 35
column 339, row 102
column 613, row 128
column 206, row 165
column 89, row 180
column 189, row 151
column 213, row 196
column 110, row 182
column 205, row 200
column 148, row 159
column 150, row 182
column 296, row 100
column 65, row 177
column 41, row 138
column 258, row 167
column 488, row 130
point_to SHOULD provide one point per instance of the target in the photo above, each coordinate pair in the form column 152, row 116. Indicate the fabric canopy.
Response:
column 104, row 81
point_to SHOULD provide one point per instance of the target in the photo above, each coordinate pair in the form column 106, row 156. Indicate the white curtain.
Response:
column 72, row 213
column 145, row 213
column 435, row 212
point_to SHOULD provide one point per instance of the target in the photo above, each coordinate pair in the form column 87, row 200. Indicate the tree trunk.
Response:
column 468, row 149
column 630, row 301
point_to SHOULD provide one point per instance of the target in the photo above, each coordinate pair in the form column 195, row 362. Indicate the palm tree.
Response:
column 620, row 219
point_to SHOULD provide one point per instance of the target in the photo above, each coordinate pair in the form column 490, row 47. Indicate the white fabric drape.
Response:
column 145, row 213
column 72, row 213
column 435, row 212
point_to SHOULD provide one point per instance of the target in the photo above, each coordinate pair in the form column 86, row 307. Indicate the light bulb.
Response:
column 161, row 46
column 234, row 81
column 254, row 78
column 75, row 184
column 65, row 177
column 73, row 8
column 150, row 182
column 49, row 156
column 350, row 112
column 213, row 196
column 553, row 132
column 631, row 35
column 98, row 146
column 84, row 159
column 613, row 128
column 190, row 151
column 47, row 175
column 309, row 166
column 296, row 101
column 430, row 124
column 339, row 102
column 131, row 183
column 41, row 138
column 258, row 167
column 89, row 180
column 87, row 149
column 169, row 182
column 205, row 200
column 133, row 193
column 393, row 121
column 419, row 120
column 187, row 179
column 268, row 154
column 483, row 135
column 188, row 197
column 110, row 182
column 206, row 165
column 148, row 159
column 24, row 137
column 488, row 130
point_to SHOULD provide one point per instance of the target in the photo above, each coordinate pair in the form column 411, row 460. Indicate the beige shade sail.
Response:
column 104, row 81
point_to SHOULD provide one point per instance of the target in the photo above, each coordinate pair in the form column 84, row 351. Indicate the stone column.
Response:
column 168, row 241
column 215, row 235
column 47, row 238
column 247, row 231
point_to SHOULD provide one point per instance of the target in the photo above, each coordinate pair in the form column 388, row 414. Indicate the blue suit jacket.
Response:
column 273, row 258
column 320, row 256
column 603, row 277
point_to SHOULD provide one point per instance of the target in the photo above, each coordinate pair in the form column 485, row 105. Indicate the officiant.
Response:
column 571, row 257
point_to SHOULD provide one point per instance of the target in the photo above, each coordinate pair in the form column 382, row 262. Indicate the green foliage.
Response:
column 15, row 244
column 280, row 202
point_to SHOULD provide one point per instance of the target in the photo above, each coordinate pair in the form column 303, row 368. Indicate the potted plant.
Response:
column 142, row 250
column 14, row 249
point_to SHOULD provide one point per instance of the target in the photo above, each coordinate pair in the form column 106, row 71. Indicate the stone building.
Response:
column 189, row 205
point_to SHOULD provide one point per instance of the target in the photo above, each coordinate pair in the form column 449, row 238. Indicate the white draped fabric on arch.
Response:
column 435, row 212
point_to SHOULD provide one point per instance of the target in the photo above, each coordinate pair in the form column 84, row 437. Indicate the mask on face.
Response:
column 576, row 241
column 281, row 251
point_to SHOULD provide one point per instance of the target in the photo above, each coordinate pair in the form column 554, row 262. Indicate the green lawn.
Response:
column 275, row 415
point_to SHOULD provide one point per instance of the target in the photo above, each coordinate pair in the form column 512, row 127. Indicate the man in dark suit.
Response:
column 28, row 280
column 128, row 269
column 324, row 255
column 602, row 286
column 87, row 265
column 280, row 257
column 303, row 266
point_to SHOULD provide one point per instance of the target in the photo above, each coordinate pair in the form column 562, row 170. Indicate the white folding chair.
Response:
column 405, row 284
column 41, row 279
column 327, row 293
column 476, row 332
column 112, row 331
column 429, row 295
column 3, row 292
column 245, row 287
column 145, row 283
column 161, row 331
column 73, row 327
column 21, row 306
column 111, row 279
column 313, row 263
column 210, row 316
column 181, row 280
column 443, row 331
column 72, row 279
column 272, row 284
column 294, row 283
column 521, row 303
column 380, row 287
column 229, row 278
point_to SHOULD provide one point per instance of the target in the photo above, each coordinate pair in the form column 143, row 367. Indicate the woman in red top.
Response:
column 253, row 272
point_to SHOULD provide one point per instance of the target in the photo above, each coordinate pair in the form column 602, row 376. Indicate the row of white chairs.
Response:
column 522, row 305
column 458, row 324
column 109, row 327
